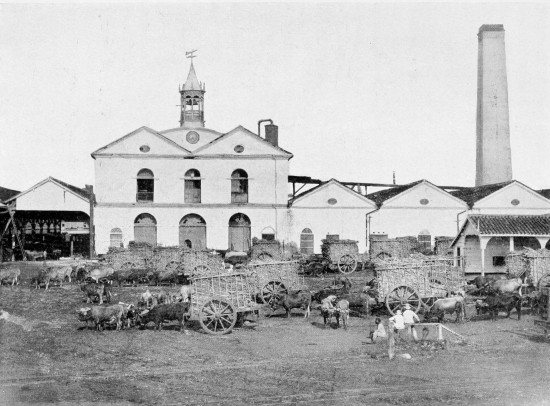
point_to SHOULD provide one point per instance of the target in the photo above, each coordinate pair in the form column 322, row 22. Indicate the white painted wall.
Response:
column 168, row 219
column 50, row 196
column 500, row 202
column 116, row 179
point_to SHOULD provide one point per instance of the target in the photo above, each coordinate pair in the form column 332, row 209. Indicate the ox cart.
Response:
column 342, row 255
column 218, row 299
column 418, row 281
column 185, row 261
column 276, row 278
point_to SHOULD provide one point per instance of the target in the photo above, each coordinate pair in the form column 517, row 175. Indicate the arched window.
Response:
column 145, row 229
column 193, row 232
column 192, row 186
column 239, row 186
column 306, row 241
column 268, row 234
column 145, row 186
column 239, row 232
column 424, row 241
column 116, row 238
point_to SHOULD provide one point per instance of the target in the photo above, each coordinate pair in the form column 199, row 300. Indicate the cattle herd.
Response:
column 97, row 281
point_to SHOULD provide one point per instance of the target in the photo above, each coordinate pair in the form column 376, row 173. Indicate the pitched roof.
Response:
column 510, row 225
column 82, row 192
column 192, row 83
column 247, row 131
column 73, row 189
column 474, row 194
column 544, row 192
column 6, row 193
column 321, row 185
column 386, row 194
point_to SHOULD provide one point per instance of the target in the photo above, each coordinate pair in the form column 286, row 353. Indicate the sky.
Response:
column 359, row 90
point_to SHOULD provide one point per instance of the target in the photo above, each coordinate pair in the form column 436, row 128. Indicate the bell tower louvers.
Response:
column 192, row 101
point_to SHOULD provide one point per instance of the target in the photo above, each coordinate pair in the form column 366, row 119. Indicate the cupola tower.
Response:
column 192, row 99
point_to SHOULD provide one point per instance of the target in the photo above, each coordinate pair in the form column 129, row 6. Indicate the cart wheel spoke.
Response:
column 217, row 316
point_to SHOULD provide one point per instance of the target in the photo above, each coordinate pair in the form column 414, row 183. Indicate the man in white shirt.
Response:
column 409, row 317
column 398, row 321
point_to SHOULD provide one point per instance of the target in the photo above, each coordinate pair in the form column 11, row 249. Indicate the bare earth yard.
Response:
column 48, row 356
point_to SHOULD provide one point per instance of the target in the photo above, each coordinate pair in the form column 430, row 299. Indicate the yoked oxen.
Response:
column 505, row 302
column 454, row 304
column 100, row 315
column 97, row 290
column 10, row 274
column 165, row 312
column 297, row 300
column 506, row 286
column 100, row 273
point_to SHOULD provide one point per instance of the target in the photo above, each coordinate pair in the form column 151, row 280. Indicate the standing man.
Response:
column 409, row 317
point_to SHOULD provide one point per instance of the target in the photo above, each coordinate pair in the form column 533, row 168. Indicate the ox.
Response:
column 342, row 311
column 447, row 305
column 163, row 276
column 129, row 314
column 165, row 312
column 504, row 302
column 164, row 297
column 120, row 276
column 10, row 275
column 146, row 297
column 185, row 293
column 297, row 300
column 100, row 315
column 97, row 290
column 100, row 273
column 506, row 286
column 56, row 273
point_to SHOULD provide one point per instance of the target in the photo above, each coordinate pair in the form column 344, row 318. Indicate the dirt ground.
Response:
column 48, row 356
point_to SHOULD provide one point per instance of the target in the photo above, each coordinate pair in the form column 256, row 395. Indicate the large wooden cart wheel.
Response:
column 347, row 263
column 400, row 296
column 543, row 281
column 272, row 291
column 217, row 316
column 172, row 266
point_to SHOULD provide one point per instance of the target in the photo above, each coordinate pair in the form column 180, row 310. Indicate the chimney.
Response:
column 493, row 152
column 272, row 134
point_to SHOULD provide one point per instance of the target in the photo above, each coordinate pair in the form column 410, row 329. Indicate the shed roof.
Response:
column 510, row 225
column 6, row 193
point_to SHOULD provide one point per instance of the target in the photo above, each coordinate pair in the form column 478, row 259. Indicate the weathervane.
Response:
column 189, row 54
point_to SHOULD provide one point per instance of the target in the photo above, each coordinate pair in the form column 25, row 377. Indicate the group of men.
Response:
column 400, row 322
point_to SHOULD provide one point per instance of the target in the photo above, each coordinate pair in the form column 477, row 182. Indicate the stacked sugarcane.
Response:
column 333, row 250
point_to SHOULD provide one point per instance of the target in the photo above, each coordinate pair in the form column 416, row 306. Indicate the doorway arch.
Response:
column 239, row 232
column 192, row 232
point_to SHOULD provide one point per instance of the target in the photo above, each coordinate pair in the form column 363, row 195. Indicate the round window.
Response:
column 332, row 201
column 192, row 137
column 145, row 148
column 515, row 202
column 238, row 149
column 424, row 202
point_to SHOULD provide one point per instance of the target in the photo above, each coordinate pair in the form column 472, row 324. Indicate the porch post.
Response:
column 511, row 244
column 543, row 241
column 483, row 241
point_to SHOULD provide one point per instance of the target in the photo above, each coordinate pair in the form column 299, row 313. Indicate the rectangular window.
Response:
column 499, row 261
column 146, row 190
column 192, row 191
column 239, row 191
column 268, row 237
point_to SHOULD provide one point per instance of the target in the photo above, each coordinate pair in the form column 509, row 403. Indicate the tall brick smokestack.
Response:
column 493, row 153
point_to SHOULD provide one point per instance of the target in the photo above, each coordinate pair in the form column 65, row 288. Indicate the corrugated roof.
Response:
column 511, row 225
column 383, row 195
column 6, row 193
column 474, row 194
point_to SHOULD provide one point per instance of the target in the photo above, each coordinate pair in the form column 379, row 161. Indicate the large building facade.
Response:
column 190, row 186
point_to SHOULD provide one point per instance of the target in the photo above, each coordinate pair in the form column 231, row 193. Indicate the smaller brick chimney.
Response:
column 272, row 134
